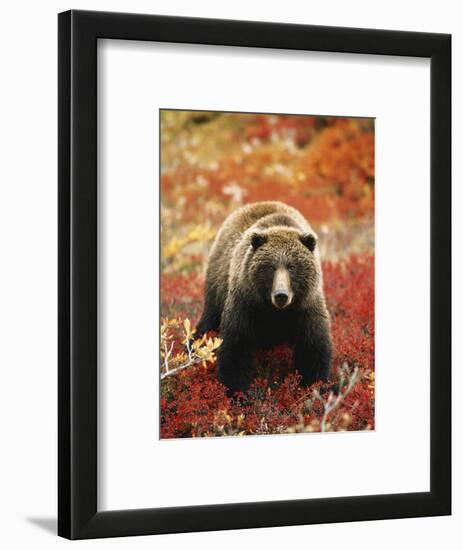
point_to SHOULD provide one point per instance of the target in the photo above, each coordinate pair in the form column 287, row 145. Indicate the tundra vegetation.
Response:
column 212, row 163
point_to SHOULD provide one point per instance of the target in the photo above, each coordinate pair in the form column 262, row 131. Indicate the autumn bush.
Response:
column 211, row 164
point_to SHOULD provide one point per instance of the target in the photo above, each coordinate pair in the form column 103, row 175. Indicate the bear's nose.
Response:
column 281, row 297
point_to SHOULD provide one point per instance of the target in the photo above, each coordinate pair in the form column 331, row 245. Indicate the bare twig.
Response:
column 333, row 402
column 167, row 354
column 171, row 372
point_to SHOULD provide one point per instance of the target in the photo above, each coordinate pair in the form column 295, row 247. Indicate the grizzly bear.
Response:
column 264, row 287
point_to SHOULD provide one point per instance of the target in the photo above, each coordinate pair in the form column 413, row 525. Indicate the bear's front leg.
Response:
column 313, row 351
column 234, row 363
column 234, row 356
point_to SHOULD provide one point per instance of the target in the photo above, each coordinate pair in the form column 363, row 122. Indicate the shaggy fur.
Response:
column 251, row 245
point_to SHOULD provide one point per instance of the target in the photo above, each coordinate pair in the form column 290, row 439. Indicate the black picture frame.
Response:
column 78, row 516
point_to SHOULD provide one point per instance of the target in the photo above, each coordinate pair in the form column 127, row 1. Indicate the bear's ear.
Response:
column 258, row 239
column 309, row 240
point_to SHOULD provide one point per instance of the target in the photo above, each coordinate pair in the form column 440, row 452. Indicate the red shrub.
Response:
column 331, row 177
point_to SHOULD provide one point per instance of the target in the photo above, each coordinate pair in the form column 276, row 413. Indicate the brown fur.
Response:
column 252, row 243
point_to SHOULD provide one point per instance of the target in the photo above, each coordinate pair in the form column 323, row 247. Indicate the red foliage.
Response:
column 301, row 128
column 330, row 179
column 349, row 290
column 182, row 295
column 191, row 403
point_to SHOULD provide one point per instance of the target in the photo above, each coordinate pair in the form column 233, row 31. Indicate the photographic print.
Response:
column 267, row 297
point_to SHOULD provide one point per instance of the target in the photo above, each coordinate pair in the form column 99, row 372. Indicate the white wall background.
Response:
column 28, row 270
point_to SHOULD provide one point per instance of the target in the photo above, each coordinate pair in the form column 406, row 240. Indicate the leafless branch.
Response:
column 333, row 402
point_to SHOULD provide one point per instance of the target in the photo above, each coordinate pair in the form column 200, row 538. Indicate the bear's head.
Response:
column 284, row 268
